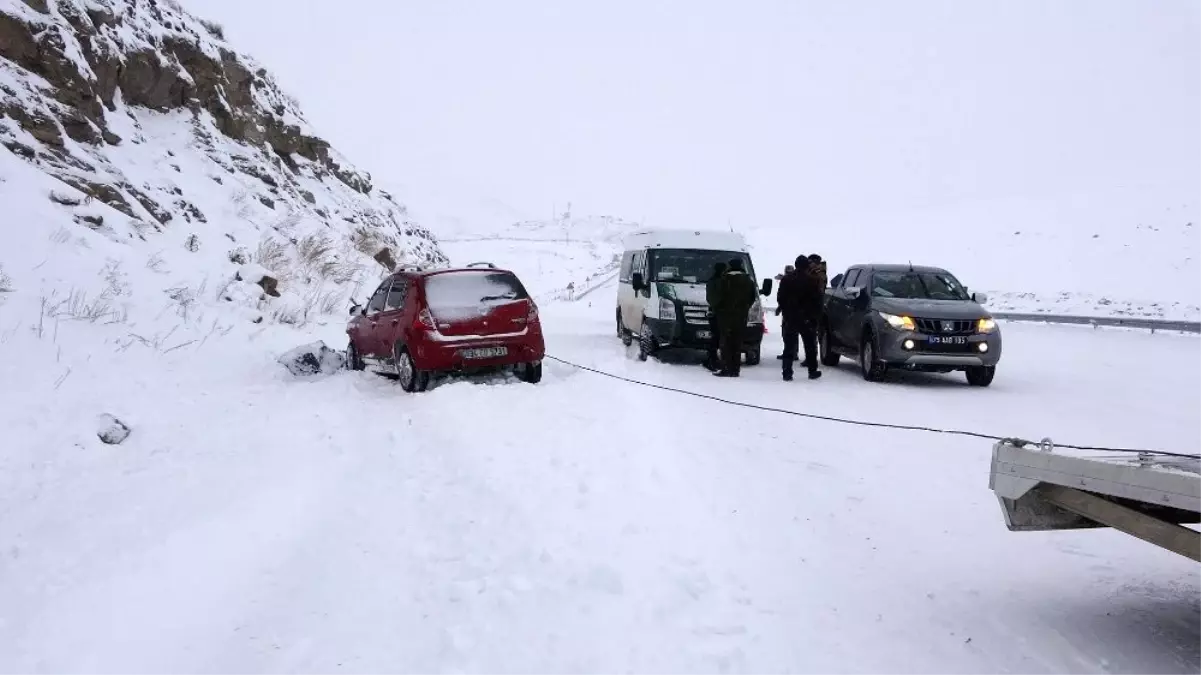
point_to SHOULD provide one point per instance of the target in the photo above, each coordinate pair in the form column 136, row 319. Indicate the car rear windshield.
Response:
column 470, row 293
column 694, row 266
column 919, row 285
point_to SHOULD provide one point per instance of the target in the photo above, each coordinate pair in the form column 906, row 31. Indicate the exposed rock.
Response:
column 71, row 65
column 38, row 5
column 270, row 285
column 102, row 191
column 112, row 430
column 92, row 221
column 64, row 199
column 192, row 243
column 384, row 257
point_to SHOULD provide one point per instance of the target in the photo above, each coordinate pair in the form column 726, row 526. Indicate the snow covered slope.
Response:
column 133, row 128
column 549, row 255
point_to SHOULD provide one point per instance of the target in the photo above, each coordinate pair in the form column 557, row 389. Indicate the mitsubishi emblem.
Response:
column 948, row 327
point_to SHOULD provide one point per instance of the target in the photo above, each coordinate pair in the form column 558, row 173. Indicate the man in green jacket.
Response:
column 711, row 293
column 736, row 294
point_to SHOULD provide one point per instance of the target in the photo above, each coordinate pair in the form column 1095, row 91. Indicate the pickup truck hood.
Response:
column 930, row 309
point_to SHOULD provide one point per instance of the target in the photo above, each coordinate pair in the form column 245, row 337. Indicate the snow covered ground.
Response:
column 258, row 522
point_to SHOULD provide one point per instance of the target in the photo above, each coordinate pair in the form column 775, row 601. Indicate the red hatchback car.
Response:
column 421, row 323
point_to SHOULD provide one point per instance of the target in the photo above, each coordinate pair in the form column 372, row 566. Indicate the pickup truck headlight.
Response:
column 667, row 309
column 898, row 322
column 986, row 325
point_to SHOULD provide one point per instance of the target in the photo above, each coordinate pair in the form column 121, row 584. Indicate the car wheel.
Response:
column 873, row 368
column 530, row 372
column 828, row 356
column 353, row 360
column 411, row 378
column 753, row 355
column 626, row 338
column 981, row 376
column 646, row 342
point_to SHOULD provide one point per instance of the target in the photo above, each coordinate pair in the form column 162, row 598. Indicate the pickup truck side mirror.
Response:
column 981, row 298
column 766, row 290
column 637, row 281
column 854, row 292
column 354, row 309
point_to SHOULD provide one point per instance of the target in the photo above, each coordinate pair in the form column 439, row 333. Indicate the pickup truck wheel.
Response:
column 828, row 356
column 411, row 378
column 873, row 369
column 353, row 360
column 753, row 356
column 981, row 376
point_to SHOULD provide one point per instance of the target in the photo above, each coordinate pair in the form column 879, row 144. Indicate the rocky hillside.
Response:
column 159, row 136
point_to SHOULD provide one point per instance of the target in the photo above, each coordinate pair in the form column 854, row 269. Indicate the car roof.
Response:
column 424, row 273
column 900, row 267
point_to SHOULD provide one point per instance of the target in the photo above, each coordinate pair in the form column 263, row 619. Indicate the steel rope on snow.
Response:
column 863, row 423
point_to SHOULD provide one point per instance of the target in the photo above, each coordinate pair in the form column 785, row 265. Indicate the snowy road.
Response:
column 258, row 523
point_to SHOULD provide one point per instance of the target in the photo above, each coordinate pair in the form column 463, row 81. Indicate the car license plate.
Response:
column 704, row 334
column 948, row 339
column 484, row 352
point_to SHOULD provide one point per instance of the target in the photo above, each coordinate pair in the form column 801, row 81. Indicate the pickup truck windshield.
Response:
column 693, row 266
column 918, row 285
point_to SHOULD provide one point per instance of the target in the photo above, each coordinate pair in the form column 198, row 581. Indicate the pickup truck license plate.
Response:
column 484, row 352
column 704, row 334
column 948, row 339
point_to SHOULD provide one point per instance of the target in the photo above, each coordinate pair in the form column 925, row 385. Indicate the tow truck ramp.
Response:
column 1147, row 495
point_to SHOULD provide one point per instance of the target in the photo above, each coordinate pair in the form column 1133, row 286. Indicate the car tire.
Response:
column 980, row 376
column 530, row 372
column 829, row 357
column 353, row 360
column 873, row 369
column 627, row 338
column 646, row 342
column 753, row 356
column 411, row 378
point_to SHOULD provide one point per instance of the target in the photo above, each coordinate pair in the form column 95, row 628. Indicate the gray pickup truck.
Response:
column 911, row 318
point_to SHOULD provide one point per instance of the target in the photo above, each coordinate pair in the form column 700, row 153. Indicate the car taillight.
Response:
column 425, row 320
column 532, row 315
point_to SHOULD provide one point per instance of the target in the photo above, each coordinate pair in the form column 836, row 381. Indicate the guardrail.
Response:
column 1094, row 321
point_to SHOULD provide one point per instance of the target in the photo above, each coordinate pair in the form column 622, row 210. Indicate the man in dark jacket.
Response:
column 711, row 295
column 802, row 297
column 736, row 293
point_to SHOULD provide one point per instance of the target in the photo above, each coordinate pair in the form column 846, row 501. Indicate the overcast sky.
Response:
column 693, row 112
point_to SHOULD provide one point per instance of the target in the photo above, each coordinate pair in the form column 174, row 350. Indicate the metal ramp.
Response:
column 1146, row 495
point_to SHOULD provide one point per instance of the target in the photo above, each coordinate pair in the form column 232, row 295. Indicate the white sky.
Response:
column 690, row 112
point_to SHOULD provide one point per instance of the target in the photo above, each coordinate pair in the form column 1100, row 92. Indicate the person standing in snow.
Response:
column 788, row 269
column 711, row 296
column 802, row 296
column 736, row 294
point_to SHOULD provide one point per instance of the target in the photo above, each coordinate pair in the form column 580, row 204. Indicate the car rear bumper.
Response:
column 453, row 356
column 687, row 335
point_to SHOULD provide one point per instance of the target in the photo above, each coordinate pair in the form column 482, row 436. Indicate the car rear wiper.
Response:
column 506, row 296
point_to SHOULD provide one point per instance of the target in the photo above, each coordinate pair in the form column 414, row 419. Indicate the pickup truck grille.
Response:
column 946, row 326
column 696, row 315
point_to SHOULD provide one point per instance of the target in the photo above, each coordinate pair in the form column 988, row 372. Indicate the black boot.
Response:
column 814, row 374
